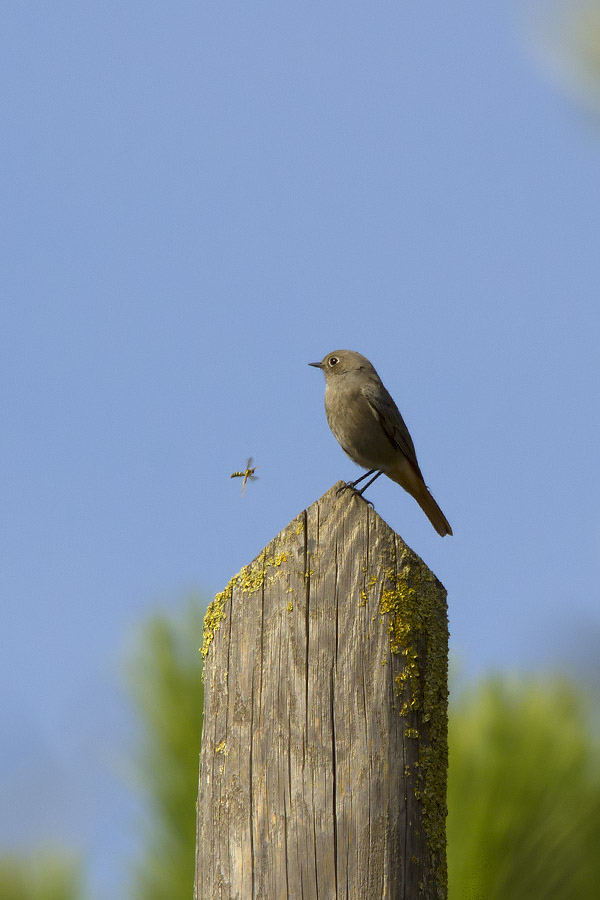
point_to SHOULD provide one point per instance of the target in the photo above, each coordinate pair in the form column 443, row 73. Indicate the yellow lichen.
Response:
column 277, row 560
column 249, row 580
column 413, row 609
column 215, row 615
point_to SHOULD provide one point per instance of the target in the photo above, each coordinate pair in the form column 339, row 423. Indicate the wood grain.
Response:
column 323, row 762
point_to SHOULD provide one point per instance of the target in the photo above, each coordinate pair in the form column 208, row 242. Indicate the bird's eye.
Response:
column 333, row 360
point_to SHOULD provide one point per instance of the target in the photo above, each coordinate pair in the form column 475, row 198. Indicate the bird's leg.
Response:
column 369, row 483
column 353, row 484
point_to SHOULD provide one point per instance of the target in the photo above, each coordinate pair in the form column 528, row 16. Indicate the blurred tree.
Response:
column 166, row 680
column 524, row 785
column 586, row 28
column 564, row 37
column 48, row 875
column 524, row 794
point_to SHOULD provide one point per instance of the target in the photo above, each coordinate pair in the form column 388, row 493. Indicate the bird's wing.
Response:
column 388, row 415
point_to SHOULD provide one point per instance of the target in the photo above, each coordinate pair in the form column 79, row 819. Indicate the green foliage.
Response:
column 524, row 785
column 40, row 876
column 568, row 34
column 583, row 28
column 166, row 679
column 524, row 794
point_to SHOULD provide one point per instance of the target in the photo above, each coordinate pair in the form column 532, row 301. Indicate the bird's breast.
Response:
column 356, row 427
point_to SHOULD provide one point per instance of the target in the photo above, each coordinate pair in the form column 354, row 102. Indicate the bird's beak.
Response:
column 316, row 365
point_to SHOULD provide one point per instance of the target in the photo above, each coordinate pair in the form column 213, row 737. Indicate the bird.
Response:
column 369, row 428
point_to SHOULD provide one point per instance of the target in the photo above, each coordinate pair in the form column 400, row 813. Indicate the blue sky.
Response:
column 200, row 199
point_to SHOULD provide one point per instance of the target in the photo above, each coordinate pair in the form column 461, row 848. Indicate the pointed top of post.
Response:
column 325, row 702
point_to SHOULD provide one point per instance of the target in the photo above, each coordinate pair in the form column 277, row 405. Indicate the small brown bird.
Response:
column 369, row 428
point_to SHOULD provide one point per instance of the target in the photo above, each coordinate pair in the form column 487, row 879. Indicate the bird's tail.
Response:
column 433, row 512
column 409, row 476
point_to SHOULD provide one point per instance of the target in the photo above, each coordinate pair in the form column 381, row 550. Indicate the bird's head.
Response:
column 340, row 362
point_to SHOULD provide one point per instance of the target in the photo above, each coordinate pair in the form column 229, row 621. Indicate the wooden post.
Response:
column 324, row 755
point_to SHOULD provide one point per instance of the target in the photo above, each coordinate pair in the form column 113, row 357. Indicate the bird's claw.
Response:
column 350, row 486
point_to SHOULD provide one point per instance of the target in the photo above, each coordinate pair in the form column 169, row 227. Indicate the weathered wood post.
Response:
column 324, row 755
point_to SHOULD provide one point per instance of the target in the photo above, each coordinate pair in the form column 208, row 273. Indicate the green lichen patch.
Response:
column 249, row 580
column 215, row 614
column 413, row 609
